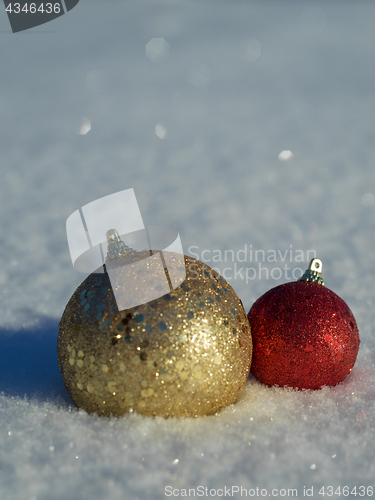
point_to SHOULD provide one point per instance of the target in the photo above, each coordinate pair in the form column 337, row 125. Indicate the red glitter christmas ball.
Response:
column 304, row 335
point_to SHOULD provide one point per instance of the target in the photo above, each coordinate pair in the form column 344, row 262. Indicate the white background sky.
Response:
column 241, row 81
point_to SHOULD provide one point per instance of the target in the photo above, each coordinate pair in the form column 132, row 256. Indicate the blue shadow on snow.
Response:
column 28, row 363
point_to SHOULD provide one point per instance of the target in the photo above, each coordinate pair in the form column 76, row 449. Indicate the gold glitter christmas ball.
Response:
column 187, row 353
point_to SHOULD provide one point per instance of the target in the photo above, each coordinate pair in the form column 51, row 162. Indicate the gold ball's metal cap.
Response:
column 116, row 247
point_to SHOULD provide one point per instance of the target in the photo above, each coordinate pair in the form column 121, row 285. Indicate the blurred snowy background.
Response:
column 190, row 103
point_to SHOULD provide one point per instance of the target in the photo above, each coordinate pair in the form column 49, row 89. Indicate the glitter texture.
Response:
column 187, row 353
column 304, row 336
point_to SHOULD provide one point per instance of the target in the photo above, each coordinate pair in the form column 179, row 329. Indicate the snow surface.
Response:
column 196, row 126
